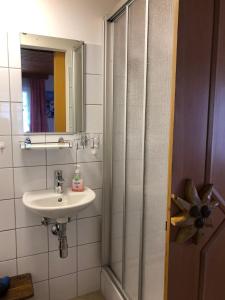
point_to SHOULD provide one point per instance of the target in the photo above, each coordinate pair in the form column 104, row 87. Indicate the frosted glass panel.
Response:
column 118, row 145
column 134, row 146
column 127, row 146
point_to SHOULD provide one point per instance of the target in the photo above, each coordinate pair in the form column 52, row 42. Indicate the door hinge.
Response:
column 166, row 225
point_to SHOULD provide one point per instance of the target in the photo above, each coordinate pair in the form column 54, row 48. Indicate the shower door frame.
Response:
column 123, row 7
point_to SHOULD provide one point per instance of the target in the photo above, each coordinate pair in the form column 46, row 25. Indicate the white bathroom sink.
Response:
column 49, row 204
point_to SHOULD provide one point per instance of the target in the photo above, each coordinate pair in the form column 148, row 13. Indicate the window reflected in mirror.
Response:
column 43, row 84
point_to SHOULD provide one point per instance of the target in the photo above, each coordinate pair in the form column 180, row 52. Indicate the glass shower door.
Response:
column 118, row 146
column 134, row 147
column 128, row 135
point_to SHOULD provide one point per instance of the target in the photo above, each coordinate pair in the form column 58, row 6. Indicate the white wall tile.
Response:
column 95, row 208
column 15, row 85
column 3, row 49
column 4, row 84
column 7, row 215
column 89, row 230
column 37, row 265
column 29, row 179
column 94, row 89
column 14, row 50
column 41, row 291
column 71, row 236
column 6, row 153
column 89, row 256
column 68, row 171
column 5, row 123
column 92, row 174
column 93, row 59
column 8, row 268
column 17, row 118
column 6, row 183
column 22, row 158
column 59, row 267
column 60, row 156
column 94, row 118
column 63, row 288
column 8, row 245
column 86, row 155
column 31, row 240
column 88, row 281
column 25, row 217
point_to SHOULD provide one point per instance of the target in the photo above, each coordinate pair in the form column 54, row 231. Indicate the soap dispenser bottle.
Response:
column 77, row 182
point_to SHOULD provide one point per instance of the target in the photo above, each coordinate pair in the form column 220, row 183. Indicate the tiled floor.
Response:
column 92, row 296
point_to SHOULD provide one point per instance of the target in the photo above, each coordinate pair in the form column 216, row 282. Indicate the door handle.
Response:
column 195, row 211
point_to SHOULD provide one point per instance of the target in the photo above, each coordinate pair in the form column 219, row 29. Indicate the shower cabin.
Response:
column 138, row 85
column 127, row 55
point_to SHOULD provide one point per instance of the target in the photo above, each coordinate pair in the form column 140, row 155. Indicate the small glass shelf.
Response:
column 61, row 144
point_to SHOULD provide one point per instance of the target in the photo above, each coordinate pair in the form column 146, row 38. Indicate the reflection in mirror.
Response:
column 52, row 84
column 41, row 73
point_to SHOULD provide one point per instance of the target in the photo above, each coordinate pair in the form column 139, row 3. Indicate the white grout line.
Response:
column 40, row 225
column 13, row 177
column 48, row 255
column 77, row 256
column 51, row 165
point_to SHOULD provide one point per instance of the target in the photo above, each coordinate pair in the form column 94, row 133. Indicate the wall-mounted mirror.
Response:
column 52, row 84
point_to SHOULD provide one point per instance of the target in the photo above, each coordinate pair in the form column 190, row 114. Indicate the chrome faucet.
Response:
column 59, row 182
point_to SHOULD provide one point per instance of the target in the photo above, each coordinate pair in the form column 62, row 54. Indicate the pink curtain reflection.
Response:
column 38, row 107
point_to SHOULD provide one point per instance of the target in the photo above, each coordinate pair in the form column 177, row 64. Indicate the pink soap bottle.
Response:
column 77, row 182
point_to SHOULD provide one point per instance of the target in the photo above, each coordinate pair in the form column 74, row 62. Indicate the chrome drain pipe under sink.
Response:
column 59, row 229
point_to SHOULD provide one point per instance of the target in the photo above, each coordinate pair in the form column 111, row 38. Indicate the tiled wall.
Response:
column 25, row 245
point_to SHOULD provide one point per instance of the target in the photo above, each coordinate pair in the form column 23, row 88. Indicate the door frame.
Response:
column 170, row 156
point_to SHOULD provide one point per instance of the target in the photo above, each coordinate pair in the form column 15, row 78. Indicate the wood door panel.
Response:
column 190, row 132
column 188, row 257
column 217, row 219
column 192, row 91
column 198, row 272
column 218, row 138
column 212, row 270
column 183, row 278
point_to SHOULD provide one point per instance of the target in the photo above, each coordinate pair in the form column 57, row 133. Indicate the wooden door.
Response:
column 197, row 272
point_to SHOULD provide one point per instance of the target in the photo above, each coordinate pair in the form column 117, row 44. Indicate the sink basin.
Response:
column 49, row 204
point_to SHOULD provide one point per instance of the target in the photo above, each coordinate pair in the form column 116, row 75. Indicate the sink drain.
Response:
column 60, row 200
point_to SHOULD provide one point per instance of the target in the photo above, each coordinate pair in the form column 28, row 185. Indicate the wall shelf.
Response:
column 61, row 144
